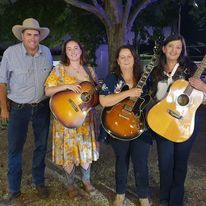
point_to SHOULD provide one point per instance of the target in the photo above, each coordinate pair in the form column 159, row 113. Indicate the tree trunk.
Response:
column 116, row 38
column 118, row 18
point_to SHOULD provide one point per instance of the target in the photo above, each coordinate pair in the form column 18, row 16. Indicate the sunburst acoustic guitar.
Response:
column 125, row 120
column 174, row 116
column 71, row 108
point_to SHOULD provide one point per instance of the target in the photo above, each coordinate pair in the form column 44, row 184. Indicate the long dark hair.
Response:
column 183, row 54
column 137, row 68
column 185, row 64
column 65, row 60
column 158, row 73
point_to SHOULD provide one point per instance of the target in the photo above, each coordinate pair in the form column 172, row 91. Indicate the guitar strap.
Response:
column 94, row 81
column 162, row 86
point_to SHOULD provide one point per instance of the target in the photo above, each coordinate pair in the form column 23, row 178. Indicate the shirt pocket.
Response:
column 44, row 73
column 45, row 69
column 21, row 78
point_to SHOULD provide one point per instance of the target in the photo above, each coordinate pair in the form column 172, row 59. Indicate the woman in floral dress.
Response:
column 73, row 146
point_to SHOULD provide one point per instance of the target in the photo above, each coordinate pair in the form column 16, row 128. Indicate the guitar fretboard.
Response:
column 146, row 73
column 197, row 74
column 147, row 70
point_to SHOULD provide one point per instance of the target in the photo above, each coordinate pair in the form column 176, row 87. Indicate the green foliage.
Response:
column 61, row 19
column 46, row 12
column 86, row 28
column 199, row 13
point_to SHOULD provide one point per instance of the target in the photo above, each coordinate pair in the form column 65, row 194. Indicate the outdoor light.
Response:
column 195, row 4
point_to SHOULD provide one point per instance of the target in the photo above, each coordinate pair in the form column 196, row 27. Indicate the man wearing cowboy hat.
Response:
column 23, row 70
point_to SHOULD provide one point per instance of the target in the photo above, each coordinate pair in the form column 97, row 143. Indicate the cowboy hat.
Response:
column 30, row 23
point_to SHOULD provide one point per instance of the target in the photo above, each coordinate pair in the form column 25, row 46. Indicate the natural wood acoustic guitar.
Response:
column 71, row 108
column 174, row 116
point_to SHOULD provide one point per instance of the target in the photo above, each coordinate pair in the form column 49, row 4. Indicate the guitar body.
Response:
column 123, row 124
column 71, row 108
column 174, row 116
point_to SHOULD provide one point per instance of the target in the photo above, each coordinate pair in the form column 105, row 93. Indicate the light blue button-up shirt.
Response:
column 24, row 74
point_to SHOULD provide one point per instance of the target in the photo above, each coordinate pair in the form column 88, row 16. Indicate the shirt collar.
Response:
column 39, row 51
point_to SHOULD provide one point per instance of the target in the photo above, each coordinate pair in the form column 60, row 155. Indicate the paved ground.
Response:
column 103, row 176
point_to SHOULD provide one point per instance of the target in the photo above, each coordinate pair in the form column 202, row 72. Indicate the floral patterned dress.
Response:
column 73, row 146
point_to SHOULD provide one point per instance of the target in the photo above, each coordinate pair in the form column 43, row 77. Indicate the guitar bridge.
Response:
column 73, row 105
column 123, row 116
column 174, row 114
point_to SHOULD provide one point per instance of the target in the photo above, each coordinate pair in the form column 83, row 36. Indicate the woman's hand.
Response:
column 197, row 84
column 134, row 92
column 112, row 99
column 49, row 91
column 74, row 87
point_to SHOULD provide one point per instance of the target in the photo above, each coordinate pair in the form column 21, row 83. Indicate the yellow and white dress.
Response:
column 73, row 146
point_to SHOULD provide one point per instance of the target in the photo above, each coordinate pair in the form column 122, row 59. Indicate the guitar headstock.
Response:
column 158, row 45
column 150, row 66
column 157, row 50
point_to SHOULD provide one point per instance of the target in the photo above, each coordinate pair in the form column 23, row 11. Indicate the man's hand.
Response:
column 4, row 109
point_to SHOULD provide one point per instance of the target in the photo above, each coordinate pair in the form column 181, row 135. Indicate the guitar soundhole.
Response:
column 183, row 100
column 85, row 96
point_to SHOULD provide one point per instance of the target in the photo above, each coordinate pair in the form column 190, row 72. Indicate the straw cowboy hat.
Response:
column 30, row 23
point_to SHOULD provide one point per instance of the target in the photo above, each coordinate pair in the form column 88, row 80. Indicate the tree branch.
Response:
column 136, row 12
column 95, row 3
column 96, row 10
column 127, row 12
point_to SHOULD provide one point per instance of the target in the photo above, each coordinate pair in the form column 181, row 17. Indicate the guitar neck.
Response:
column 147, row 70
column 197, row 74
column 132, row 100
column 200, row 68
column 146, row 74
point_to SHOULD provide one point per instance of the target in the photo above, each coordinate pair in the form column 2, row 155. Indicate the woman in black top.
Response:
column 173, row 157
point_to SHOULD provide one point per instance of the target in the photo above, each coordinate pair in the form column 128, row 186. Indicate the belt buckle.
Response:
column 18, row 105
column 34, row 104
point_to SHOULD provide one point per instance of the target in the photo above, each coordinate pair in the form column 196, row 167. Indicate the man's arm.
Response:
column 3, row 102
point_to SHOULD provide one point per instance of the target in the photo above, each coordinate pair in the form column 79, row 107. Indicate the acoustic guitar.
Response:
column 71, row 108
column 174, row 116
column 125, row 120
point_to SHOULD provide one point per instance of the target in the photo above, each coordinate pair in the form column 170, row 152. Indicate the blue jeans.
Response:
column 138, row 150
column 173, row 160
column 85, row 175
column 19, row 119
